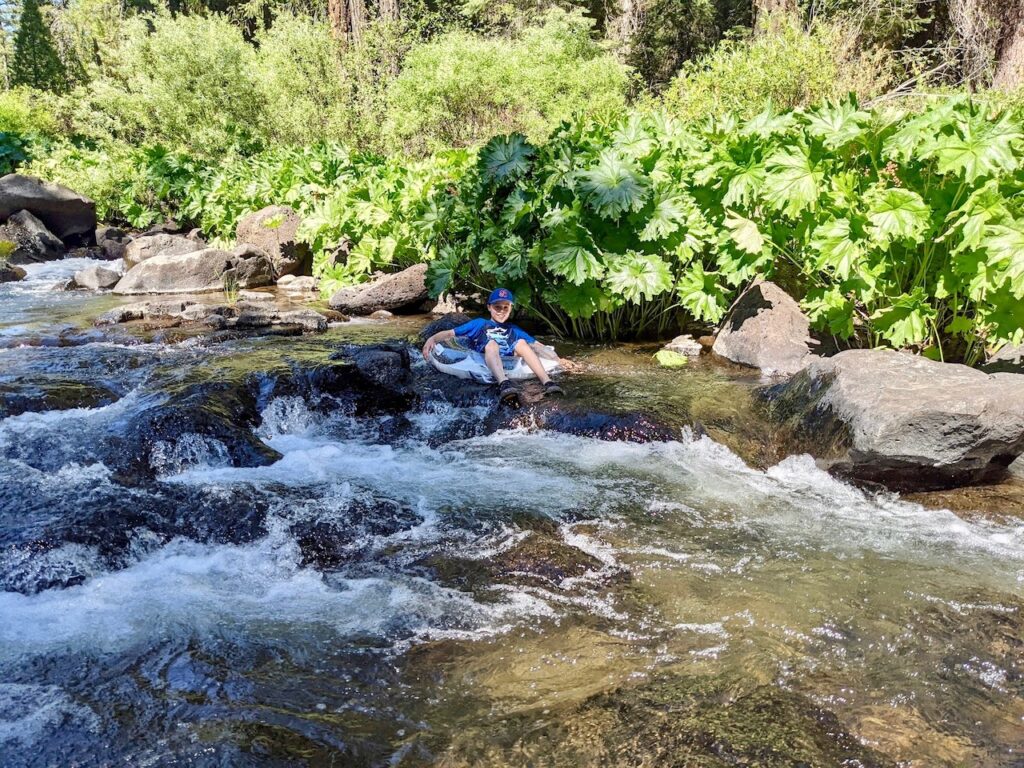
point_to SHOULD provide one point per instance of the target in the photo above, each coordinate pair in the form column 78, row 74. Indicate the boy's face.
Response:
column 500, row 311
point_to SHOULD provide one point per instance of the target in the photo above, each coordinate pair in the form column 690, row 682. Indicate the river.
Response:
column 436, row 597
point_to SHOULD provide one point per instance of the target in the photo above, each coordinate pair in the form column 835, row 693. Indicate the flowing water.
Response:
column 524, row 597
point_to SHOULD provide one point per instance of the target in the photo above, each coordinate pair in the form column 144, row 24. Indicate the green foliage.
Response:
column 35, row 63
column 672, row 32
column 668, row 359
column 462, row 89
column 790, row 69
column 906, row 229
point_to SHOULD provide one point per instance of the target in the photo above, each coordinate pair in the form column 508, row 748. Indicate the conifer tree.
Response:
column 35, row 62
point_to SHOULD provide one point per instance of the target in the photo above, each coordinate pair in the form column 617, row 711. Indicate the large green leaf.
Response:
column 836, row 125
column 906, row 321
column 767, row 124
column 744, row 233
column 791, row 184
column 982, row 148
column 614, row 186
column 637, row 276
column 569, row 253
column 836, row 248
column 581, row 301
column 668, row 215
column 744, row 181
column 633, row 139
column 1005, row 246
column 897, row 214
column 700, row 293
column 504, row 158
column 829, row 309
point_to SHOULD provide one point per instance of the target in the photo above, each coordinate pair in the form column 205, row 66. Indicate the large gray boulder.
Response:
column 67, row 214
column 904, row 421
column 1010, row 358
column 96, row 278
column 197, row 272
column 405, row 289
column 765, row 329
column 161, row 244
column 273, row 229
column 33, row 242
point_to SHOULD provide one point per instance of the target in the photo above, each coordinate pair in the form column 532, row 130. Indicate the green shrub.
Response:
column 302, row 82
column 790, row 69
column 907, row 229
column 462, row 89
column 27, row 112
column 188, row 82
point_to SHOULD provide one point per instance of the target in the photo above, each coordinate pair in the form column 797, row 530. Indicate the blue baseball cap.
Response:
column 501, row 294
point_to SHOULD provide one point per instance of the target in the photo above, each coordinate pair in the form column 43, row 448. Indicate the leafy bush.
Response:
column 26, row 112
column 462, row 89
column 383, row 214
column 788, row 70
column 302, row 82
column 906, row 229
column 187, row 82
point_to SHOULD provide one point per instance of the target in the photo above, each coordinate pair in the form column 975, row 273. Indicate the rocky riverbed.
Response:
column 269, row 545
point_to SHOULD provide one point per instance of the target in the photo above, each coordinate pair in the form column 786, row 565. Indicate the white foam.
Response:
column 29, row 712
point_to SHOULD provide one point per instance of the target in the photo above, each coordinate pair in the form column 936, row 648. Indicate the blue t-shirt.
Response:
column 476, row 333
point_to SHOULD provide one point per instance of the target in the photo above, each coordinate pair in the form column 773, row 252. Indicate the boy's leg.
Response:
column 533, row 362
column 492, row 357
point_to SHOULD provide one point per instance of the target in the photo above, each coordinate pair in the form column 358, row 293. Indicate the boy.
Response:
column 497, row 338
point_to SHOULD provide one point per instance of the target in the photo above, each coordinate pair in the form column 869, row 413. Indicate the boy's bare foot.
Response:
column 508, row 393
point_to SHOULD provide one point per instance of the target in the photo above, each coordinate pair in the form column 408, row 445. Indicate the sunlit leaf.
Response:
column 791, row 184
column 897, row 214
column 614, row 186
column 637, row 276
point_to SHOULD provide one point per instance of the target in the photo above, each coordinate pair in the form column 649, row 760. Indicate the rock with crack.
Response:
column 198, row 272
column 68, row 215
column 273, row 230
column 903, row 421
column 396, row 292
column 33, row 242
column 146, row 247
column 765, row 329
column 96, row 278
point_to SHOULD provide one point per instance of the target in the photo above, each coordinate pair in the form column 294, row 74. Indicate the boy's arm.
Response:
column 439, row 336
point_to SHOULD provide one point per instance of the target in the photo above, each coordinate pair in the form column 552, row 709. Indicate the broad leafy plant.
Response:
column 894, row 228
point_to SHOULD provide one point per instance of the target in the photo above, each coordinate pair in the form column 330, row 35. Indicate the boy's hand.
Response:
column 427, row 348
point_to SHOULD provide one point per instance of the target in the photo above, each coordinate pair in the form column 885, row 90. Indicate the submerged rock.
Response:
column 403, row 290
column 10, row 273
column 65, row 213
column 904, row 421
column 52, row 394
column 765, row 329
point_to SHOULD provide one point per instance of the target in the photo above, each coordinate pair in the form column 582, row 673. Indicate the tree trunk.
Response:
column 337, row 13
column 1009, row 72
column 389, row 10
column 771, row 16
column 626, row 24
column 356, row 19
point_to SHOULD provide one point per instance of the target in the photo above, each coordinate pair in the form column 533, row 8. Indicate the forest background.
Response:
column 626, row 165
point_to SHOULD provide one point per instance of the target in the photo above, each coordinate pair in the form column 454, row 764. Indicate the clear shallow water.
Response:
column 519, row 598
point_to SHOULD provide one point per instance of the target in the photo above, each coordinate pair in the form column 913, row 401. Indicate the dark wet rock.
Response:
column 395, row 292
column 446, row 322
column 331, row 543
column 197, row 272
column 147, row 246
column 572, row 420
column 545, row 558
column 10, row 273
column 33, row 242
column 65, row 213
column 903, row 421
column 112, row 241
column 678, row 721
column 96, row 278
column 51, row 394
column 273, row 230
column 765, row 329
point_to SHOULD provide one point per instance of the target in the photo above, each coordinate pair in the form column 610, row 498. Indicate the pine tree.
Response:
column 35, row 61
